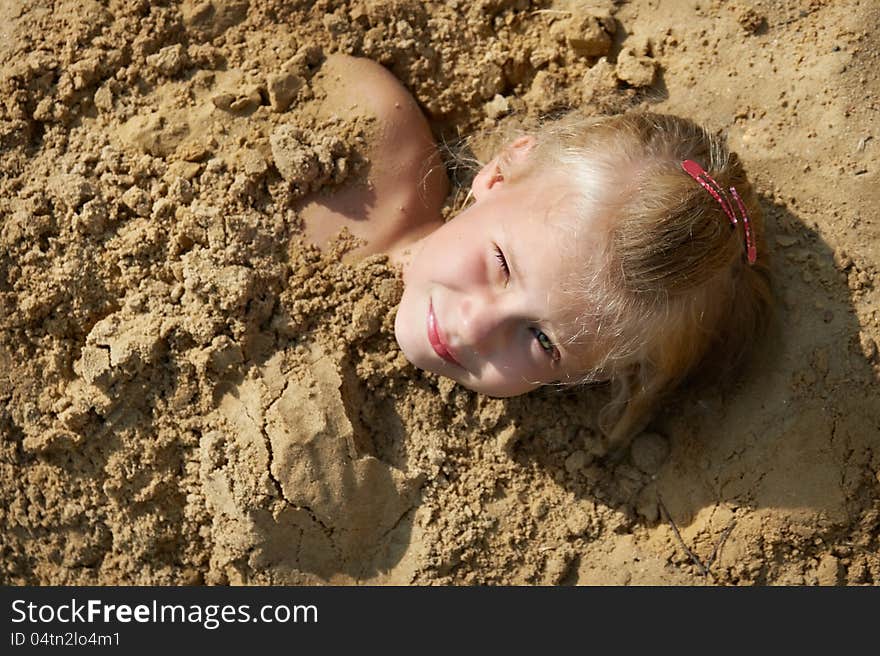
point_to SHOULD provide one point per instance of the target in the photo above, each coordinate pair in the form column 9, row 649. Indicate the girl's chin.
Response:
column 417, row 357
column 409, row 346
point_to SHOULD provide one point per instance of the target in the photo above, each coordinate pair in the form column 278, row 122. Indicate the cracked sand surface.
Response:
column 302, row 445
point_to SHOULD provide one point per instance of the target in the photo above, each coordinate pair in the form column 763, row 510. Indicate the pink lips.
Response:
column 436, row 339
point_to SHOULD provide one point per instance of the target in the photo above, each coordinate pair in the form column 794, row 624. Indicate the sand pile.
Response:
column 189, row 394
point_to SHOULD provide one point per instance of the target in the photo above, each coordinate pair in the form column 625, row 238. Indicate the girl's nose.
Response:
column 480, row 323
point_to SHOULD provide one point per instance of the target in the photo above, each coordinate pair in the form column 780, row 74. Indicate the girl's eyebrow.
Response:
column 512, row 262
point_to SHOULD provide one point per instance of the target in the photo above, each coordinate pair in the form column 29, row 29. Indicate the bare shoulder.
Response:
column 406, row 182
column 359, row 86
column 358, row 82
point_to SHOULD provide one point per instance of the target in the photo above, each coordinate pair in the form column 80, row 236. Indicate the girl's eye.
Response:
column 502, row 261
column 546, row 344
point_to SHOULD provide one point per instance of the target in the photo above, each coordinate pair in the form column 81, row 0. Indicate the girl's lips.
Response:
column 436, row 339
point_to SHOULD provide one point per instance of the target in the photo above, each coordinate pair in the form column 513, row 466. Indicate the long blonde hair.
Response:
column 677, row 294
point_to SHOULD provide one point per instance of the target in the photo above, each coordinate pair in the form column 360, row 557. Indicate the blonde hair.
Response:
column 676, row 294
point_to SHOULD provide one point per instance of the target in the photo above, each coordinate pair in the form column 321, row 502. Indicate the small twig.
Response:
column 696, row 560
column 801, row 14
column 720, row 543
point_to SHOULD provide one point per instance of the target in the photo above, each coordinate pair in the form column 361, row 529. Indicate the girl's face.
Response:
column 483, row 301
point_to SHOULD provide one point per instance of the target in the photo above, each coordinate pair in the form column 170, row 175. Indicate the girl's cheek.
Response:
column 523, row 361
column 469, row 264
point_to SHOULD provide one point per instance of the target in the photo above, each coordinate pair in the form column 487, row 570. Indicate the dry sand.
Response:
column 190, row 395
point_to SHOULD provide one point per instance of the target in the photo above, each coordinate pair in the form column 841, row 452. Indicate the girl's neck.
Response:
column 401, row 253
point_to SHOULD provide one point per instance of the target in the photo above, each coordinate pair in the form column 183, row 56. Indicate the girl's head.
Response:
column 589, row 254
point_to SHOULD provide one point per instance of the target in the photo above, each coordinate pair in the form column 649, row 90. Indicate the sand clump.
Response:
column 191, row 394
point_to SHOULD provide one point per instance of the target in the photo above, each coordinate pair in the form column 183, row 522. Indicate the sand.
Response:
column 189, row 394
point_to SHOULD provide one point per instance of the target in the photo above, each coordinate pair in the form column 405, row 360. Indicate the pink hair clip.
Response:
column 708, row 183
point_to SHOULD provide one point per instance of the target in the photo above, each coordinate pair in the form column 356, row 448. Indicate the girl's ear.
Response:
column 491, row 177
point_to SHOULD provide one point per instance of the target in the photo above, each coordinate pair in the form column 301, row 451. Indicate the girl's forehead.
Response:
column 560, row 226
column 556, row 240
column 559, row 264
